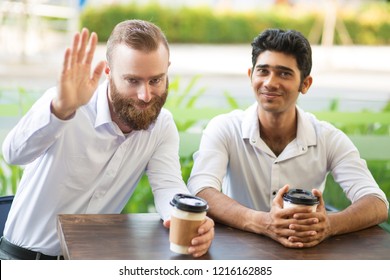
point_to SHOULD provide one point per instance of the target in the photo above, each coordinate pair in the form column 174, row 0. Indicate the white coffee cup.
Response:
column 300, row 197
column 188, row 213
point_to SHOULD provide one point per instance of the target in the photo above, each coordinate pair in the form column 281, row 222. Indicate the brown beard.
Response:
column 128, row 112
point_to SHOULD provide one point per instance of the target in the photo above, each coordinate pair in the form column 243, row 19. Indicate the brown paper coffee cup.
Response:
column 188, row 213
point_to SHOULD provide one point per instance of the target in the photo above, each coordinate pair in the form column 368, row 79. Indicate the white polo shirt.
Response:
column 84, row 165
column 233, row 158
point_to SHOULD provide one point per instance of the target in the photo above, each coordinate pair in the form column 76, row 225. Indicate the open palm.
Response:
column 77, row 84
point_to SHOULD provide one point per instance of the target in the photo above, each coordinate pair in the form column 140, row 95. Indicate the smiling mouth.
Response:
column 270, row 94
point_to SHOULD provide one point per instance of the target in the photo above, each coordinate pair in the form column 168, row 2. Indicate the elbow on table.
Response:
column 382, row 211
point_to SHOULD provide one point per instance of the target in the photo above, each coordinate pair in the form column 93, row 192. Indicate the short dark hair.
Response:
column 289, row 42
column 137, row 34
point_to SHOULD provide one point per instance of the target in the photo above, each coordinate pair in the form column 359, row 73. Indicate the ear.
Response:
column 249, row 73
column 107, row 70
column 306, row 84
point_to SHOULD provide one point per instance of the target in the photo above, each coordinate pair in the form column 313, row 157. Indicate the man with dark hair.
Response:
column 248, row 159
column 86, row 147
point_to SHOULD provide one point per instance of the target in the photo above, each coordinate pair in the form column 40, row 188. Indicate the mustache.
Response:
column 133, row 103
column 142, row 103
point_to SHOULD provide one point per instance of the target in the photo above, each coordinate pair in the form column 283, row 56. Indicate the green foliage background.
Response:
column 367, row 25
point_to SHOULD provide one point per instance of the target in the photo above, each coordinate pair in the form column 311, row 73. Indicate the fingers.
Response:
column 97, row 73
column 306, row 242
column 82, row 46
column 309, row 239
column 82, row 53
column 278, row 200
column 303, row 220
column 199, row 250
column 74, row 50
column 67, row 59
column 321, row 205
column 167, row 223
column 289, row 244
column 303, row 232
column 81, row 43
column 207, row 225
column 202, row 242
column 91, row 48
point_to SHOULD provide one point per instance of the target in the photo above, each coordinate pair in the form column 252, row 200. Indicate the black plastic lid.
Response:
column 189, row 203
column 299, row 196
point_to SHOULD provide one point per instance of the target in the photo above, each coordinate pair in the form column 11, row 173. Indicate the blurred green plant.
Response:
column 367, row 25
column 184, row 98
column 9, row 177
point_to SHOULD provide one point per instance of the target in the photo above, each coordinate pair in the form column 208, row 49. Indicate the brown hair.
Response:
column 136, row 34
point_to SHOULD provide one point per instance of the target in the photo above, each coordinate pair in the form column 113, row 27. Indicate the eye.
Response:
column 262, row 71
column 132, row 81
column 155, row 81
column 285, row 74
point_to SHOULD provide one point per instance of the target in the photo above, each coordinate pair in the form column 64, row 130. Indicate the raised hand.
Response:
column 77, row 84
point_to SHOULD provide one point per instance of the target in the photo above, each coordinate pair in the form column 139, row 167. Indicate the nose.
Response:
column 144, row 93
column 271, row 81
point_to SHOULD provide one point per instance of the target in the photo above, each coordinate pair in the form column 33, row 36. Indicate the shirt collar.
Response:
column 103, row 115
column 250, row 123
column 306, row 134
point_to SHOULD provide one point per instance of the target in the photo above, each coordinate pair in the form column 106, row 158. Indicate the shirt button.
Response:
column 253, row 140
column 274, row 193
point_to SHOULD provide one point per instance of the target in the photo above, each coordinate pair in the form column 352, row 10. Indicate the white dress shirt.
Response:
column 84, row 165
column 233, row 158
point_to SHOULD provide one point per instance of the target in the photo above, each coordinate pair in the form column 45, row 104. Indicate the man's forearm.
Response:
column 225, row 210
column 367, row 211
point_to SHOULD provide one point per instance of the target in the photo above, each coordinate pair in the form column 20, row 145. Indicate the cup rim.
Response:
column 190, row 203
column 300, row 196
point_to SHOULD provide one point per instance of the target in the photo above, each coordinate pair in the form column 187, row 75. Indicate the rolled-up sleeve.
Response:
column 211, row 160
column 349, row 170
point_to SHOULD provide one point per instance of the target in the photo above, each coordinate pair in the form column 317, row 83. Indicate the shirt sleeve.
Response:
column 211, row 160
column 34, row 133
column 349, row 170
column 163, row 169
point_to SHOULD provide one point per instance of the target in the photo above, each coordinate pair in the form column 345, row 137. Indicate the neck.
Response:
column 277, row 131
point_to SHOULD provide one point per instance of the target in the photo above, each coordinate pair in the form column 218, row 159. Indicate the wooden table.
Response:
column 143, row 237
